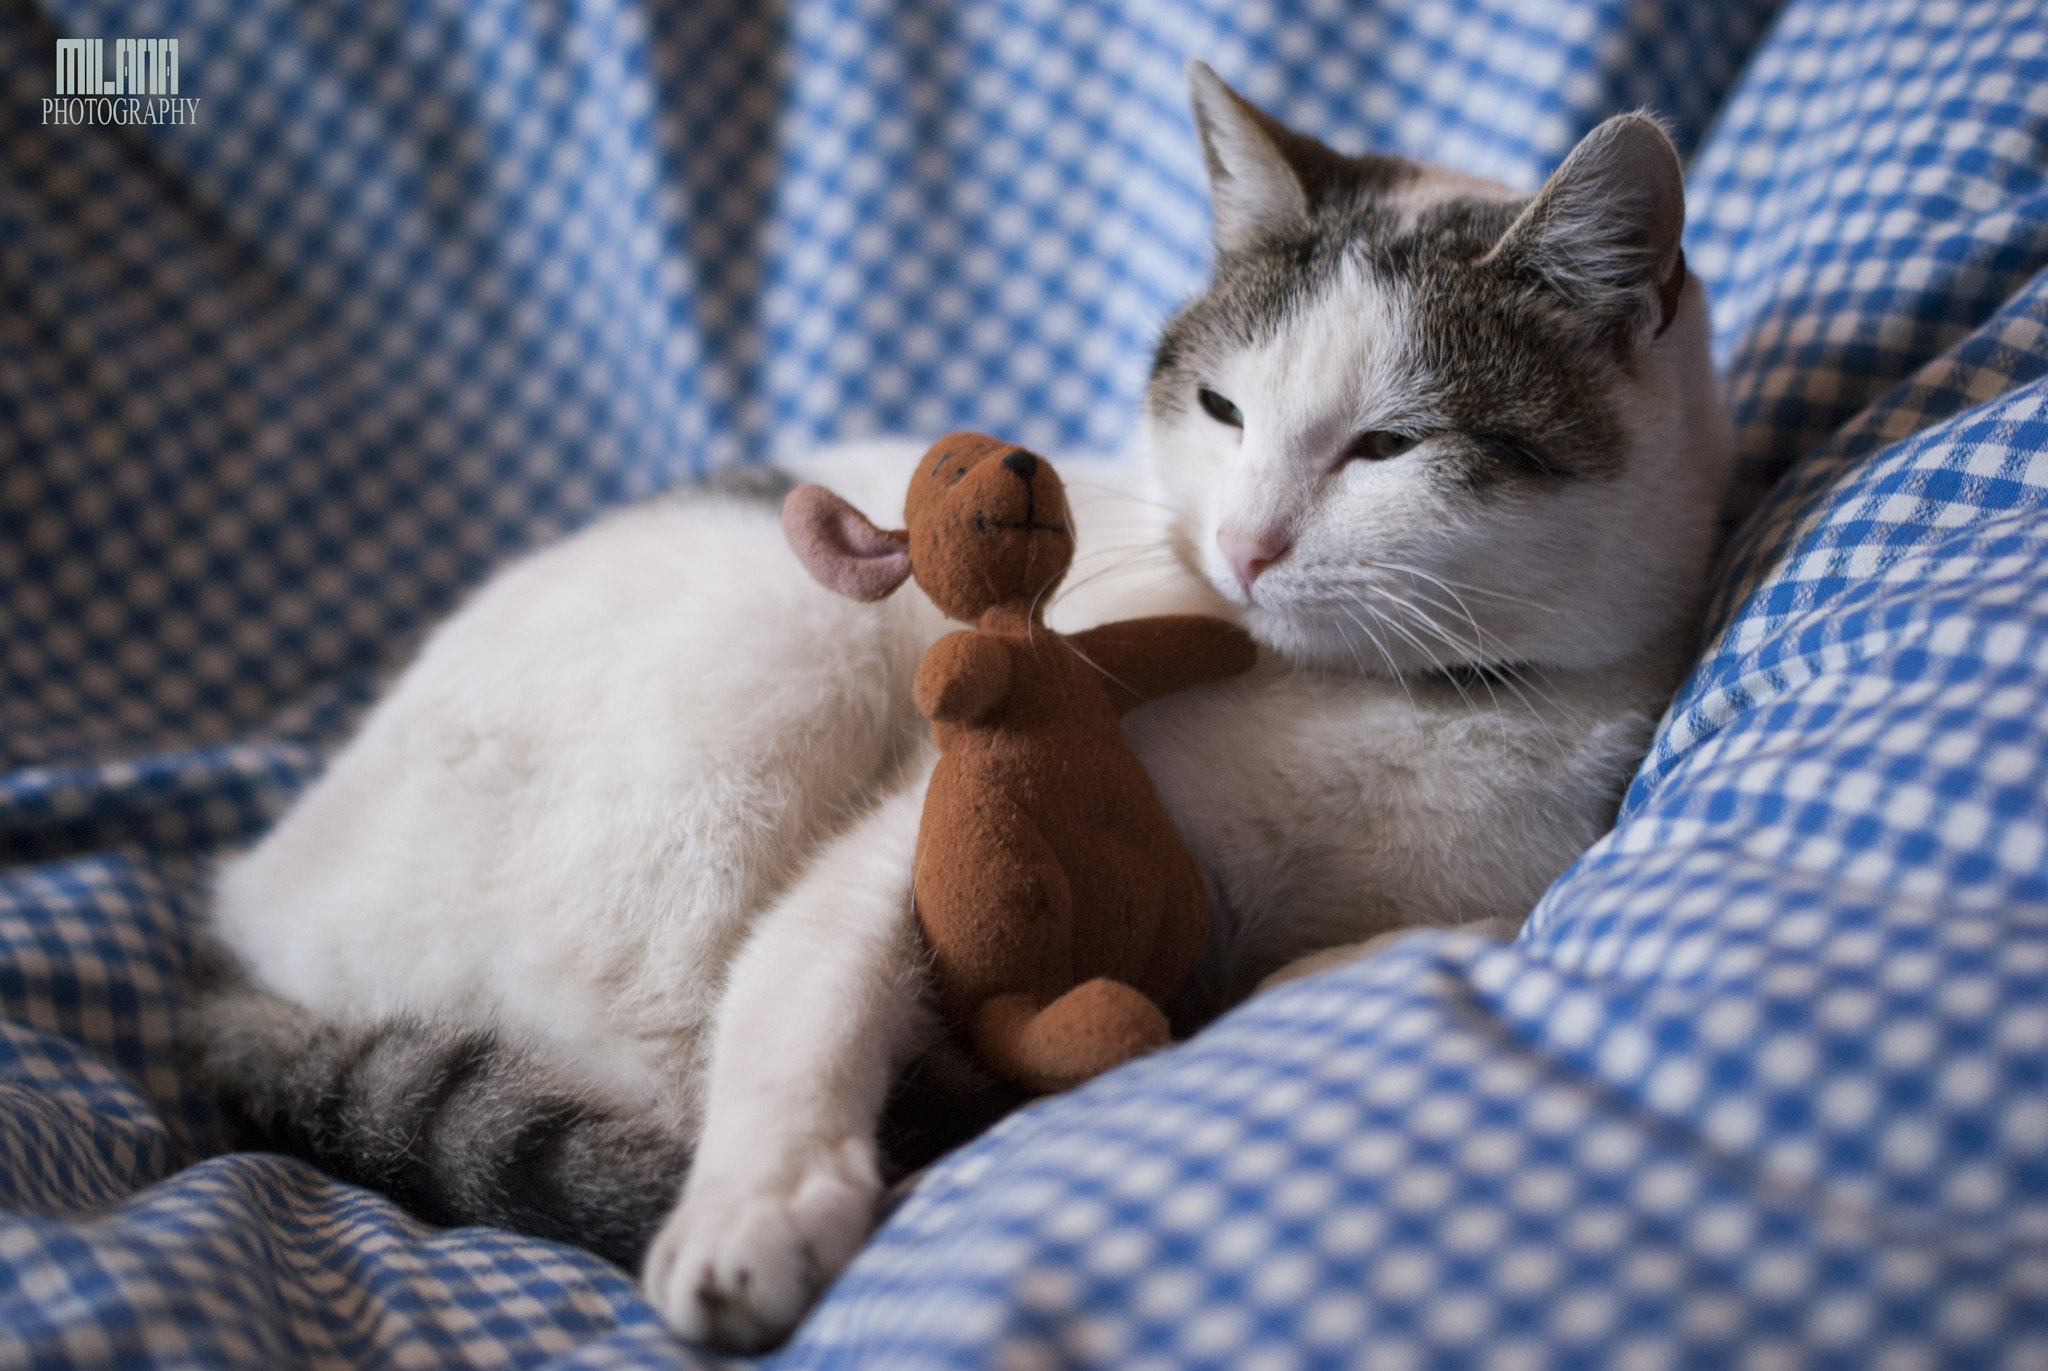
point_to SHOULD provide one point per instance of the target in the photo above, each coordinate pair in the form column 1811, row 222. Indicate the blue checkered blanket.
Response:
column 1764, row 1082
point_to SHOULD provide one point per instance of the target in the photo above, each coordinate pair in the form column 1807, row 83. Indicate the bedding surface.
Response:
column 1766, row 1075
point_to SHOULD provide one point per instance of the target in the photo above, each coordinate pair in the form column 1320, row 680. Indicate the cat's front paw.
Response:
column 744, row 1256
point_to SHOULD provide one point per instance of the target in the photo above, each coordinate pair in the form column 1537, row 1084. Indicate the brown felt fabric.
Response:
column 1046, row 861
column 1093, row 1027
column 1059, row 903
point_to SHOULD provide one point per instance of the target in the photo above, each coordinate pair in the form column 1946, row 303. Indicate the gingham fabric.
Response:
column 1766, row 1081
column 427, row 284
column 1873, row 193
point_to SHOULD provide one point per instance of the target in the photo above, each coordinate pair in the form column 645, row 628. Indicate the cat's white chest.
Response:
column 1326, row 810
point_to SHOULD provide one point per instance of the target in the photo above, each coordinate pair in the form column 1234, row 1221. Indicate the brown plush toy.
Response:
column 1059, row 903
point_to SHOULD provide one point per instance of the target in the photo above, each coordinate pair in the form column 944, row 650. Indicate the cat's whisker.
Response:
column 1372, row 606
column 1031, row 619
column 1485, row 652
column 1161, row 561
column 1512, row 673
column 1103, row 671
column 1124, row 495
column 1470, row 589
column 1484, row 645
column 1483, row 648
column 1487, row 674
column 1147, row 563
column 1358, row 658
column 1143, row 545
column 1505, row 672
column 1429, row 655
column 1430, row 626
column 1490, row 654
column 1393, row 668
column 1482, row 651
column 1479, row 633
column 1478, row 647
column 1141, row 556
column 1500, row 662
column 1487, row 642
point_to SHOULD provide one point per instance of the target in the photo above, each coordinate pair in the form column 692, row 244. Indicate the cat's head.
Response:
column 1419, row 420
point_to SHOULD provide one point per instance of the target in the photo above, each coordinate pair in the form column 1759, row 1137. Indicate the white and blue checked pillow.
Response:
column 1767, row 1076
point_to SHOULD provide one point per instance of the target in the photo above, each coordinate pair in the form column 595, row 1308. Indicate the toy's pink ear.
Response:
column 838, row 545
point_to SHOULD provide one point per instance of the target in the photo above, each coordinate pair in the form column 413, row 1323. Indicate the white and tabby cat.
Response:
column 614, row 885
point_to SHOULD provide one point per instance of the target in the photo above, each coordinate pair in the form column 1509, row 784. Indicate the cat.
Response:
column 609, row 895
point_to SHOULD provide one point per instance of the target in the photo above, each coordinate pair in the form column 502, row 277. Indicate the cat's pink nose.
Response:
column 1249, row 556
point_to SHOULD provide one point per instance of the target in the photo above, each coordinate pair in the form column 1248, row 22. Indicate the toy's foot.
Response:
column 1093, row 1027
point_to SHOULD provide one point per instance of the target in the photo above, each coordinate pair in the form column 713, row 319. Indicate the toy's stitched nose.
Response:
column 1025, row 464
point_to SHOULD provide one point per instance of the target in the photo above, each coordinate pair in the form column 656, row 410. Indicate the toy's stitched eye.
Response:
column 1379, row 444
column 1218, row 408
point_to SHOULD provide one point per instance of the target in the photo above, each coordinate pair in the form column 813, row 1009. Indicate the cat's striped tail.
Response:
column 457, row 1126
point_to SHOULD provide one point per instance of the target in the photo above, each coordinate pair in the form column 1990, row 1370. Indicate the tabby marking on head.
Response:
column 1406, row 428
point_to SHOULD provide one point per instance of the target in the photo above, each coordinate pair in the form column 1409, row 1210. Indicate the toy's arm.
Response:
column 1147, row 658
column 963, row 678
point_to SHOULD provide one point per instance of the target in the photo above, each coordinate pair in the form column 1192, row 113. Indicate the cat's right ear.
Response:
column 840, row 548
column 1252, row 190
column 1263, row 176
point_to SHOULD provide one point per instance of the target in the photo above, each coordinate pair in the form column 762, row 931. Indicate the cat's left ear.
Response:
column 1604, row 230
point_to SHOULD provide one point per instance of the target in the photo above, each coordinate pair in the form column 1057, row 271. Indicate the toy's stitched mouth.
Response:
column 1030, row 521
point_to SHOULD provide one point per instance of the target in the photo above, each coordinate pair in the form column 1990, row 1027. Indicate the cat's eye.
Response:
column 1219, row 409
column 1378, row 444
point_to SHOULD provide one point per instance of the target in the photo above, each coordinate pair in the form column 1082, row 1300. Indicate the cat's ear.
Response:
column 840, row 548
column 1252, row 189
column 1263, row 176
column 1603, row 232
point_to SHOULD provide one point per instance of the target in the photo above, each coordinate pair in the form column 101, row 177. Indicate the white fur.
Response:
column 1576, row 575
column 648, row 801
column 565, row 817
